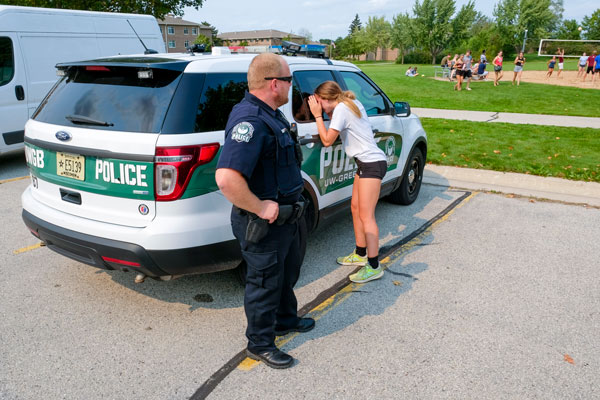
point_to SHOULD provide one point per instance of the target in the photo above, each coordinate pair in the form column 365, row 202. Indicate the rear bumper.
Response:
column 90, row 249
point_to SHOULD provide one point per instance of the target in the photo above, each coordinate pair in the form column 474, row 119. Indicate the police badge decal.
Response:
column 242, row 132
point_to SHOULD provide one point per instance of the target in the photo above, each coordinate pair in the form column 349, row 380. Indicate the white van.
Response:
column 34, row 40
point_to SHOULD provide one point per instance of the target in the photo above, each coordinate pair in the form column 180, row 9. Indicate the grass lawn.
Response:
column 528, row 98
column 571, row 153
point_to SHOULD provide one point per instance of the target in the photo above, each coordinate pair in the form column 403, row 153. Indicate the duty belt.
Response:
column 288, row 213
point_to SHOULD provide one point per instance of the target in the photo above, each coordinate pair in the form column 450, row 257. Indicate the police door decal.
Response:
column 331, row 169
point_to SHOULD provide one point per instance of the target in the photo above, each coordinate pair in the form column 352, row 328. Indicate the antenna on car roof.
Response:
column 146, row 50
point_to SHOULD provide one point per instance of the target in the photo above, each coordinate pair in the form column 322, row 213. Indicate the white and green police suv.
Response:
column 122, row 154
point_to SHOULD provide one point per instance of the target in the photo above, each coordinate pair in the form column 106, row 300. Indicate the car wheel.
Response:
column 242, row 268
column 411, row 182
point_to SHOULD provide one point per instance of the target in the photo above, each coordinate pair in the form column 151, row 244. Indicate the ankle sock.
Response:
column 361, row 251
column 374, row 262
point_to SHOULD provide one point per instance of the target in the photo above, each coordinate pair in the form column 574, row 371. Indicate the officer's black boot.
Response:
column 273, row 358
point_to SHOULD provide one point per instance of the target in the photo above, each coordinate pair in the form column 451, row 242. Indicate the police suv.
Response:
column 122, row 155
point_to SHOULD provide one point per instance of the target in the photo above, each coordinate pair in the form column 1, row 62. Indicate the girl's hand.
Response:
column 315, row 106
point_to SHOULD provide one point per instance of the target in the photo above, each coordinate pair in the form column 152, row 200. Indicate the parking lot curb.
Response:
column 557, row 189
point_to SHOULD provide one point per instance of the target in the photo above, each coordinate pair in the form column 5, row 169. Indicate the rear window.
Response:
column 203, row 102
column 221, row 92
column 110, row 98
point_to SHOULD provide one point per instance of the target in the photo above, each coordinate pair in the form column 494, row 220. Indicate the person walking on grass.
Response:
column 519, row 62
column 582, row 64
column 459, row 73
column 349, row 121
column 452, row 69
column 561, row 62
column 551, row 65
column 498, row 68
column 467, row 73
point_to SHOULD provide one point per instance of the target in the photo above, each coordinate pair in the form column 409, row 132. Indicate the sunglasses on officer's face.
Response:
column 280, row 78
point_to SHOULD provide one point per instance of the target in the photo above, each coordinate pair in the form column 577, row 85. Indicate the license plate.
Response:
column 70, row 165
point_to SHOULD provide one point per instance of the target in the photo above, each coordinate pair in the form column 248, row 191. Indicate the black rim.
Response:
column 414, row 171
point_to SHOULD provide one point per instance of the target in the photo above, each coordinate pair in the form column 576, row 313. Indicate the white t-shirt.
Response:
column 356, row 133
column 583, row 60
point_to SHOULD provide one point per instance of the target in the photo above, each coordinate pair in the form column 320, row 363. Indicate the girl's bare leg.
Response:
column 369, row 189
column 359, row 232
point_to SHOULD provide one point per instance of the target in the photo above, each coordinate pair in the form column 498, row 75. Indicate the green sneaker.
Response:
column 352, row 259
column 366, row 274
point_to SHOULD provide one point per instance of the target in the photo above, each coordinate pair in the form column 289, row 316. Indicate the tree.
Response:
column 305, row 33
column 402, row 34
column 377, row 34
column 513, row 17
column 569, row 30
column 557, row 8
column 434, row 27
column 355, row 25
column 215, row 41
column 201, row 39
column 156, row 8
column 591, row 26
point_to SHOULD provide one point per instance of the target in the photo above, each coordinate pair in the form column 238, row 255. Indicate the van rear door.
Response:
column 91, row 144
column 13, row 96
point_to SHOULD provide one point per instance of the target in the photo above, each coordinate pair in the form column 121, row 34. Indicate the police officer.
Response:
column 259, row 172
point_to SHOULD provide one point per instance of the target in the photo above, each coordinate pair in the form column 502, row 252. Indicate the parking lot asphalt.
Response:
column 492, row 297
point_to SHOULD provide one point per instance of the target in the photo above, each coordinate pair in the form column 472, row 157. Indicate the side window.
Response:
column 305, row 83
column 7, row 61
column 220, row 93
column 369, row 96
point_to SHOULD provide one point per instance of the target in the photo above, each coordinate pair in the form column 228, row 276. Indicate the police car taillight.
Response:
column 174, row 167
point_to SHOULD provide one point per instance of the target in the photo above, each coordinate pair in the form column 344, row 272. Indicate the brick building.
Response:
column 266, row 37
column 179, row 34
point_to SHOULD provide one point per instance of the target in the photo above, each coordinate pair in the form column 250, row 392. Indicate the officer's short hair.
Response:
column 262, row 66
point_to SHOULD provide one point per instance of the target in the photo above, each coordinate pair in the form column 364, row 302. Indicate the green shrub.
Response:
column 416, row 57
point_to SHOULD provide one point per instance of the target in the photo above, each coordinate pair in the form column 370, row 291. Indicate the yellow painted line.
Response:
column 28, row 248
column 14, row 179
column 344, row 294
column 248, row 364
column 317, row 313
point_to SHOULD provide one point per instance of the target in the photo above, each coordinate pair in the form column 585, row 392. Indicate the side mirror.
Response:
column 402, row 109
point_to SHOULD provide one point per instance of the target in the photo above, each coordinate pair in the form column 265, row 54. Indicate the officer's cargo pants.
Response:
column 273, row 270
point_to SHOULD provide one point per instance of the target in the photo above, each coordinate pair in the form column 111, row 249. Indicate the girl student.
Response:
column 459, row 65
column 551, row 65
column 349, row 121
column 519, row 62
column 498, row 68
column 582, row 64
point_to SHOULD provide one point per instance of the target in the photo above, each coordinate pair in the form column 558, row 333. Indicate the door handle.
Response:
column 19, row 92
column 309, row 140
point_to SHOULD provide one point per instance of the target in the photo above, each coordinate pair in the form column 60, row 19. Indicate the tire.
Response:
column 242, row 268
column 409, row 188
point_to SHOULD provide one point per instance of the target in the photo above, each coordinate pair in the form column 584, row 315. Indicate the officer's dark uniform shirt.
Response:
column 258, row 144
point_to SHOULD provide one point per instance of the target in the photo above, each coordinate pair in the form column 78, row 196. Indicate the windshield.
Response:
column 115, row 96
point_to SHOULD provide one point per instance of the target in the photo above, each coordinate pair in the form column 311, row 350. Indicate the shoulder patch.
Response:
column 242, row 132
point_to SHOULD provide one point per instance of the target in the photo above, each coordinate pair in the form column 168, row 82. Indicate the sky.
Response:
column 327, row 19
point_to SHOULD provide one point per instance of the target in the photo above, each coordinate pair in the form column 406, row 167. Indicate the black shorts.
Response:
column 459, row 72
column 467, row 73
column 375, row 169
column 590, row 69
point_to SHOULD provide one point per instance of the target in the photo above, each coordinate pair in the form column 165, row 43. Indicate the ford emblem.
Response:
column 62, row 135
